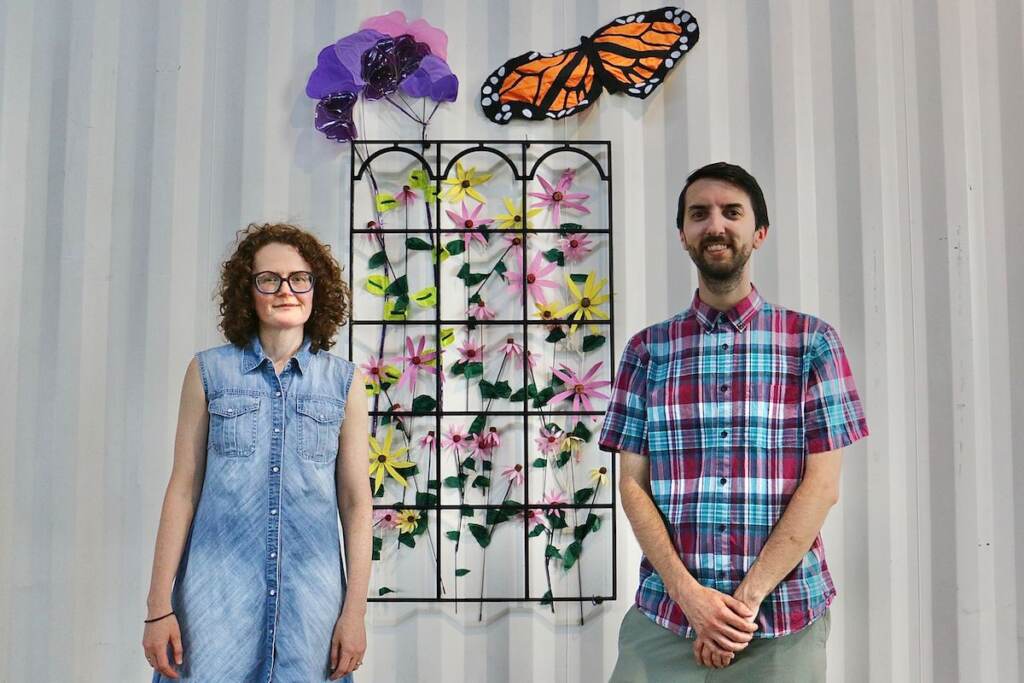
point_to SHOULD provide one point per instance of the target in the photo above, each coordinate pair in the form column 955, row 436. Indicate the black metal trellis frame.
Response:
column 523, row 173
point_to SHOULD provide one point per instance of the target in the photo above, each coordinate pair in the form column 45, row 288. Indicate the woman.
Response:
column 272, row 434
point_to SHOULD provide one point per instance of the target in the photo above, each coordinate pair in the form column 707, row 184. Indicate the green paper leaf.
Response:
column 581, row 431
column 563, row 458
column 481, row 482
column 583, row 495
column 500, row 268
column 486, row 465
column 496, row 517
column 592, row 341
column 398, row 287
column 407, row 539
column 377, row 284
column 555, row 335
column 479, row 422
column 401, row 303
column 570, row 228
column 579, row 278
column 425, row 498
column 547, row 598
column 556, row 521
column 555, row 256
column 474, row 369
column 473, row 279
column 419, row 179
column 469, row 464
column 447, row 336
column 384, row 590
column 451, row 482
column 452, row 535
column 378, row 259
column 386, row 202
column 455, row 247
column 543, row 397
column 518, row 395
column 433, row 484
column 536, row 531
column 480, row 534
column 551, row 551
column 540, row 462
column 417, row 244
column 423, row 404
column 467, row 511
column 426, row 297
column 572, row 553
column 378, row 543
column 461, row 572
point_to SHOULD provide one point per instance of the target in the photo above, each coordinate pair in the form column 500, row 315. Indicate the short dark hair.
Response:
column 734, row 175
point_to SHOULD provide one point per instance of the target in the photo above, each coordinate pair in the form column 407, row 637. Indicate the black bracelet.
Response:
column 150, row 621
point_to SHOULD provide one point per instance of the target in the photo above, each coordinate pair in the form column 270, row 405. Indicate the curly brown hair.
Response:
column 332, row 297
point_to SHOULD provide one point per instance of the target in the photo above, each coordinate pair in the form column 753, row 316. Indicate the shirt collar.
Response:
column 739, row 315
column 253, row 355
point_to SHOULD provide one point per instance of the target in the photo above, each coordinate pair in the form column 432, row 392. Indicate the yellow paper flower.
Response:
column 574, row 445
column 464, row 183
column 585, row 306
column 513, row 220
column 408, row 521
column 385, row 462
column 547, row 311
column 599, row 475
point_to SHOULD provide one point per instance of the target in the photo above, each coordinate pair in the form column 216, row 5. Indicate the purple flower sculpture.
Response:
column 386, row 55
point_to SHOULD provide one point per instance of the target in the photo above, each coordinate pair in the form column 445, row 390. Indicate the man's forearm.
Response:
column 788, row 543
column 651, row 534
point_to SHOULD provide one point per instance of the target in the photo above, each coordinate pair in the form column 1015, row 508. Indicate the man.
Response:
column 729, row 419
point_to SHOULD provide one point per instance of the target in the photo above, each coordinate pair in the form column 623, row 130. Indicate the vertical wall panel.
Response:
column 136, row 138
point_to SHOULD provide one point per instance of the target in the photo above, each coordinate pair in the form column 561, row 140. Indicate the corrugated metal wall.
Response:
column 136, row 137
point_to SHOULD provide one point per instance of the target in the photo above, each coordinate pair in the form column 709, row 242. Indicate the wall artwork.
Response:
column 482, row 318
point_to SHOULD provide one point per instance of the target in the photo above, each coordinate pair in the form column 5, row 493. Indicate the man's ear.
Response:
column 760, row 235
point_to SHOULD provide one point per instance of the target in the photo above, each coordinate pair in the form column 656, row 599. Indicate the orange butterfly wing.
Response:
column 634, row 53
column 534, row 86
column 631, row 54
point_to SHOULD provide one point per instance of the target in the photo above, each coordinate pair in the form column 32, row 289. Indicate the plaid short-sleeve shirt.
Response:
column 727, row 406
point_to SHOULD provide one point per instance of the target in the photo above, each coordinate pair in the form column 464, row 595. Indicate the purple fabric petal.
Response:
column 334, row 116
column 350, row 49
column 380, row 69
column 395, row 24
column 408, row 55
column 433, row 79
column 330, row 76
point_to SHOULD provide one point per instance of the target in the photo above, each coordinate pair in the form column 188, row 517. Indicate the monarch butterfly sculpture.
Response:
column 632, row 54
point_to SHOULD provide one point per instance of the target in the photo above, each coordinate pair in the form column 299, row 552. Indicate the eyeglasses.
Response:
column 268, row 282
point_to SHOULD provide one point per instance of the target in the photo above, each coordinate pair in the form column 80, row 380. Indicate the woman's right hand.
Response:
column 155, row 639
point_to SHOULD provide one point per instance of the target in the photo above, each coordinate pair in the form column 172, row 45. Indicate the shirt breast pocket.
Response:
column 233, row 424
column 773, row 414
column 319, row 423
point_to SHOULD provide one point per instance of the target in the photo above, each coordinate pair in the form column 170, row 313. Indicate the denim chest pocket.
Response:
column 319, row 423
column 233, row 424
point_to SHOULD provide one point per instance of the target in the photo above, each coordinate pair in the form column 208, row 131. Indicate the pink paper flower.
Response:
column 457, row 440
column 427, row 440
column 539, row 268
column 467, row 220
column 418, row 361
column 385, row 519
column 480, row 311
column 557, row 197
column 395, row 24
column 373, row 368
column 471, row 352
column 582, row 389
column 548, row 441
column 406, row 196
column 533, row 517
column 511, row 348
column 554, row 499
column 576, row 247
column 529, row 358
column 514, row 474
column 514, row 243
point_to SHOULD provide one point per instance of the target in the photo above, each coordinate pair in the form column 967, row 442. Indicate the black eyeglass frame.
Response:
column 282, row 280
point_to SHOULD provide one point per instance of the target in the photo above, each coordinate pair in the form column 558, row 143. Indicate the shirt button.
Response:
column 275, row 468
column 723, row 481
column 273, row 592
column 276, row 430
column 724, row 387
column 231, row 410
column 273, row 555
column 274, row 511
column 277, row 393
column 725, row 433
column 725, row 347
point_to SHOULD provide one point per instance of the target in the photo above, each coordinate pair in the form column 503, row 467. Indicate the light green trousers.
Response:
column 649, row 653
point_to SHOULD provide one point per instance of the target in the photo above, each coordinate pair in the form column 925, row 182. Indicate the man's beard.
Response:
column 720, row 274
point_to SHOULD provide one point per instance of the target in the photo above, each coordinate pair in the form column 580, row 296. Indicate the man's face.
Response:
column 718, row 230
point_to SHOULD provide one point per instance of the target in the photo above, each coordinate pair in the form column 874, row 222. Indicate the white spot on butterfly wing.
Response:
column 494, row 80
column 668, row 14
column 691, row 27
column 669, row 63
column 505, row 107
column 677, row 21
column 507, row 115
column 487, row 90
column 649, row 88
column 684, row 48
column 686, row 16
column 527, row 114
column 485, row 101
column 676, row 55
column 631, row 18
column 501, row 71
column 533, row 55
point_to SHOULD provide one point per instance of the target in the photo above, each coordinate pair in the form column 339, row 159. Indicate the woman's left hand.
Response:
column 348, row 645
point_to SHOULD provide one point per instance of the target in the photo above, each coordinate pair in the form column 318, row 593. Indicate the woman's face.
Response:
column 285, row 309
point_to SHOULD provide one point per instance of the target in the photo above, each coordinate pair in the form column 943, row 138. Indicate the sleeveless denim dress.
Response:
column 260, row 584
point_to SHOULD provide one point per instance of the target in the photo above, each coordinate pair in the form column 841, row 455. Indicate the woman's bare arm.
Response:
column 183, row 490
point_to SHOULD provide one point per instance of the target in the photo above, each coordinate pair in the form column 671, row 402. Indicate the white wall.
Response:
column 136, row 137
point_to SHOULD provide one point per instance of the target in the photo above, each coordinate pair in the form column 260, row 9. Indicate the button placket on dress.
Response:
column 273, row 564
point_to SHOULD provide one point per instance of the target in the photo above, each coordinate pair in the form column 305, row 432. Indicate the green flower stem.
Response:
column 483, row 564
column 501, row 259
